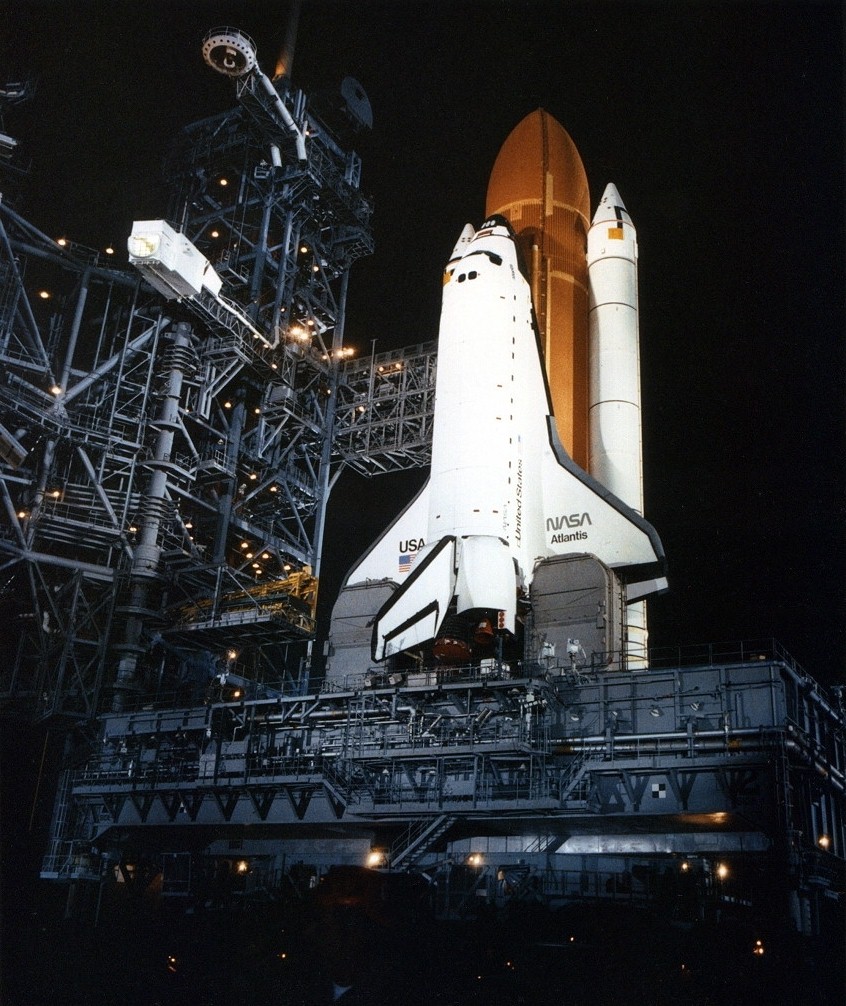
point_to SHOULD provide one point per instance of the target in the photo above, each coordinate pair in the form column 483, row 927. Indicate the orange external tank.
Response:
column 538, row 183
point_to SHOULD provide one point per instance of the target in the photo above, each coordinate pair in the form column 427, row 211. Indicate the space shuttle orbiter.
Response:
column 502, row 492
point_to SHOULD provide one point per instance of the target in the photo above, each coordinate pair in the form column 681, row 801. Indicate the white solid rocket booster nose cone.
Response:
column 610, row 207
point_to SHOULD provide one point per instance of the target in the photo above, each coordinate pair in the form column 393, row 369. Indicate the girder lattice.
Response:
column 166, row 466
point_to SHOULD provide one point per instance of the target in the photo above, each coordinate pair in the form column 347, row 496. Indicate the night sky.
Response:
column 721, row 125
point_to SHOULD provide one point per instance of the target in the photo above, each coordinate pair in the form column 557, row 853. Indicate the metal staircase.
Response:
column 417, row 840
column 573, row 777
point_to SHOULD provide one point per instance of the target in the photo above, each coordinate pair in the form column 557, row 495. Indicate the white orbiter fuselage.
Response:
column 502, row 492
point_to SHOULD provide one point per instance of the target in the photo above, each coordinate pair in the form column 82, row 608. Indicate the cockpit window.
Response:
column 496, row 259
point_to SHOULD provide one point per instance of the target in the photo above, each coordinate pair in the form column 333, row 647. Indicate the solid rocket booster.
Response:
column 538, row 183
column 615, row 446
column 615, row 456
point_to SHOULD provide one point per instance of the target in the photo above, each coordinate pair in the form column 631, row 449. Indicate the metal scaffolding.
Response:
column 166, row 464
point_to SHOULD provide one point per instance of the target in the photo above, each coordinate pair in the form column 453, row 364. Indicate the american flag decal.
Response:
column 405, row 563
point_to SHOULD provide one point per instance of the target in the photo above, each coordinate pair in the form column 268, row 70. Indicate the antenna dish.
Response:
column 357, row 102
column 229, row 51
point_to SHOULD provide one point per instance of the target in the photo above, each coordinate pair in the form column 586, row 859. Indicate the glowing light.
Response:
column 245, row 544
column 236, row 694
column 304, row 249
column 758, row 949
column 223, row 182
column 56, row 389
column 109, row 250
column 274, row 489
column 215, row 234
column 361, row 408
column 824, row 842
column 133, row 529
column 62, row 242
column 231, row 654
column 685, row 866
column 257, row 411
column 253, row 476
column 242, row 866
column 287, row 567
column 474, row 859
column 56, row 493
column 143, row 245
column 249, row 555
column 255, row 565
column 722, row 871
column 22, row 514
column 376, row 858
column 44, row 294
column 227, row 405
column 189, row 524
column 265, row 555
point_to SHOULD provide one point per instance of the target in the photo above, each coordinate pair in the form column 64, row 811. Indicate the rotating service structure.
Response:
column 169, row 431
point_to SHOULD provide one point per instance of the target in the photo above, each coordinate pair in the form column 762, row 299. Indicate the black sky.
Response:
column 721, row 125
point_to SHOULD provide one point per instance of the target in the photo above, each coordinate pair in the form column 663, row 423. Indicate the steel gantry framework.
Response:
column 166, row 463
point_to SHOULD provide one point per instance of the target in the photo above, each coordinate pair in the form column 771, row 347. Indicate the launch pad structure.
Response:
column 168, row 449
